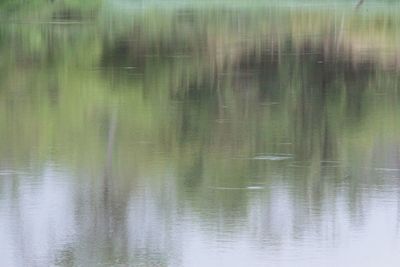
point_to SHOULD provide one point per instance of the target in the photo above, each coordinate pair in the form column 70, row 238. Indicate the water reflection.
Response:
column 202, row 136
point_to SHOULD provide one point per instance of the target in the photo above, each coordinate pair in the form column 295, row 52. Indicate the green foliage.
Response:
column 197, row 94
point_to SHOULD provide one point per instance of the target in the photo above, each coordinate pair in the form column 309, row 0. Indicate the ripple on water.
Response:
column 387, row 169
column 273, row 157
column 255, row 187
column 322, row 164
column 7, row 172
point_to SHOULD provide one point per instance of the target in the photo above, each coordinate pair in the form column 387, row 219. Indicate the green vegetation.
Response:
column 197, row 93
column 61, row 81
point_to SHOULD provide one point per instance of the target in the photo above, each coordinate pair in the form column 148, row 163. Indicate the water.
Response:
column 181, row 134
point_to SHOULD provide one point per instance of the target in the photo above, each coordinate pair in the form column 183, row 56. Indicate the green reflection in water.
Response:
column 164, row 124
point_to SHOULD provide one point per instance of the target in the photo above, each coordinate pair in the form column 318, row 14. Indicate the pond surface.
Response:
column 136, row 134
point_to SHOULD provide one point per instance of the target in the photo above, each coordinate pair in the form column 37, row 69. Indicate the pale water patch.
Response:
column 273, row 157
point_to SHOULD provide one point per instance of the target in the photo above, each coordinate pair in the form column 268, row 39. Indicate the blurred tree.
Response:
column 360, row 2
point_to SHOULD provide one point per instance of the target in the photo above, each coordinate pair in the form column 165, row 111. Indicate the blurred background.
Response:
column 199, row 133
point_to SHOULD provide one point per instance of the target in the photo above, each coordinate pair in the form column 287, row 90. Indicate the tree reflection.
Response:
column 130, row 137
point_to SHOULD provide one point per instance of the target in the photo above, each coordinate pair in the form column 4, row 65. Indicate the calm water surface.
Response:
column 178, row 135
